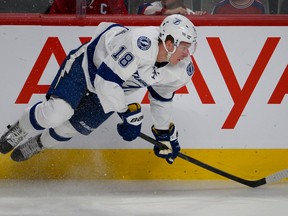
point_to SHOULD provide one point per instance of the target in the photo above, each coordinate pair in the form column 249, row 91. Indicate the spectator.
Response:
column 167, row 7
column 284, row 7
column 92, row 7
column 239, row 7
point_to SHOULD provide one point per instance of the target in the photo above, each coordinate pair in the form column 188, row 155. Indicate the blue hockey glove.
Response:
column 132, row 121
column 170, row 139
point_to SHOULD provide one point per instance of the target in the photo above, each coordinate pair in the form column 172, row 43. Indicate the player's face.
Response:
column 182, row 51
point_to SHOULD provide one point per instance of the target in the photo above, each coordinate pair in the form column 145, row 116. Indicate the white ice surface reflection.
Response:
column 161, row 198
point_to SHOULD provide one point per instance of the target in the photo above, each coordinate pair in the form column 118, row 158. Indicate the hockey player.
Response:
column 95, row 79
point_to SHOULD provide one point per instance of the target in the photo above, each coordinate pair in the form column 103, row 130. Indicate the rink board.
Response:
column 232, row 115
column 141, row 164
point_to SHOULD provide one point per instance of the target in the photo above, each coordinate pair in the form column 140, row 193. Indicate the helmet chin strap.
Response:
column 169, row 54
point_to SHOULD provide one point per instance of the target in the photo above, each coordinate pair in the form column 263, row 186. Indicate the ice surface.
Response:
column 117, row 198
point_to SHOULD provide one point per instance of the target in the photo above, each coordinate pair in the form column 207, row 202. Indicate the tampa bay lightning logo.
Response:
column 144, row 43
column 190, row 69
column 176, row 21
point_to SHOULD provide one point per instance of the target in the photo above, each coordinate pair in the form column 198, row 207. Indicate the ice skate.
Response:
column 27, row 150
column 11, row 138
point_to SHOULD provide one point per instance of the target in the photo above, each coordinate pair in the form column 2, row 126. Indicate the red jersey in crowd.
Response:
column 228, row 7
column 92, row 7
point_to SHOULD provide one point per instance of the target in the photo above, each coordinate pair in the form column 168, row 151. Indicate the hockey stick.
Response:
column 251, row 183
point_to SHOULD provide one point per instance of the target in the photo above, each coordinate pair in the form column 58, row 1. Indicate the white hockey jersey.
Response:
column 119, row 60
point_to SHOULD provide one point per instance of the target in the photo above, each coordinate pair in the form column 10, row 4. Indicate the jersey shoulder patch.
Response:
column 190, row 69
column 143, row 43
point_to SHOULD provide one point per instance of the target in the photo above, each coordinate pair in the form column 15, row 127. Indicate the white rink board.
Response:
column 260, row 125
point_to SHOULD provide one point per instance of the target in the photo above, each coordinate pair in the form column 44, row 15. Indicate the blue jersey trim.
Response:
column 107, row 74
column 92, row 69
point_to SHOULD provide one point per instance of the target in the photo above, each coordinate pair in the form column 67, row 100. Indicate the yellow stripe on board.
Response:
column 134, row 164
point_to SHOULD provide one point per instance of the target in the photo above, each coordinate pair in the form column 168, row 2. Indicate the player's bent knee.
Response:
column 53, row 112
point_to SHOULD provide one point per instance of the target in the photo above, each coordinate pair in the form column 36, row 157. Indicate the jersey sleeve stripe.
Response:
column 107, row 74
column 92, row 69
